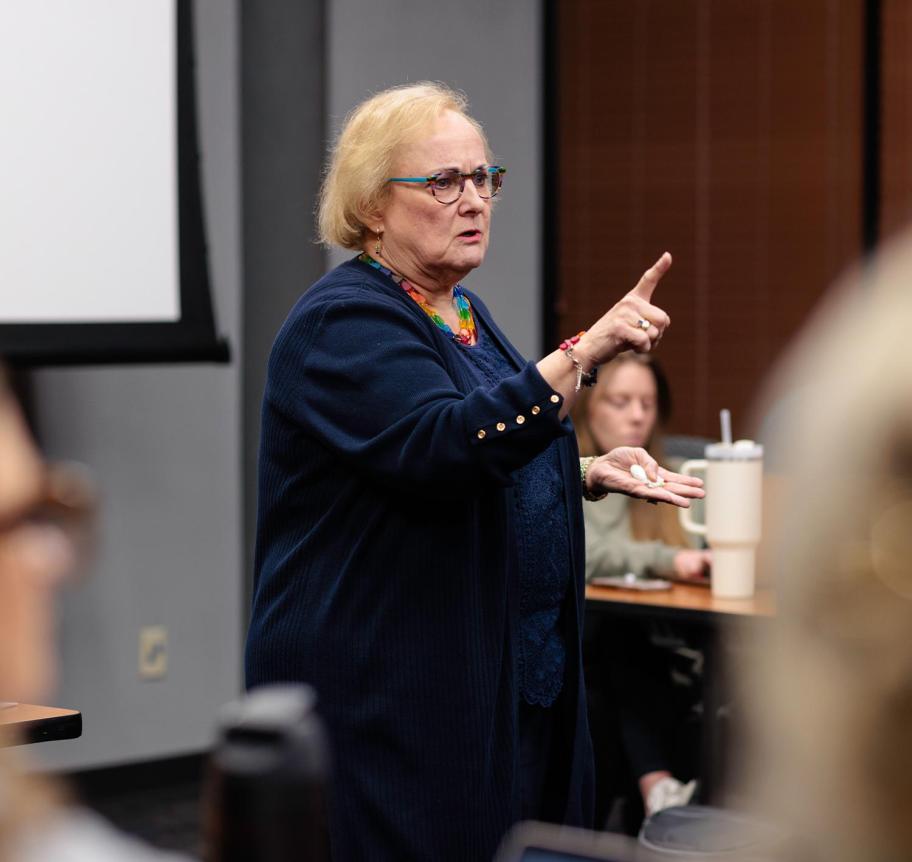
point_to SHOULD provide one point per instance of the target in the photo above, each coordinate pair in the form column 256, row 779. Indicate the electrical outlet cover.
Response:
column 153, row 652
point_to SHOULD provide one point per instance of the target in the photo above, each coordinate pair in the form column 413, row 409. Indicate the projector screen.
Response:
column 102, row 249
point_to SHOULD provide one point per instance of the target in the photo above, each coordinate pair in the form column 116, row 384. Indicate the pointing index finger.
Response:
column 647, row 284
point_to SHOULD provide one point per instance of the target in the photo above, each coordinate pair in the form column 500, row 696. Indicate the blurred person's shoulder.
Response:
column 78, row 835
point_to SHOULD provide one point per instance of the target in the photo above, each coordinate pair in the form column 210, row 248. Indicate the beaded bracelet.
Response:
column 585, row 464
column 583, row 378
column 574, row 339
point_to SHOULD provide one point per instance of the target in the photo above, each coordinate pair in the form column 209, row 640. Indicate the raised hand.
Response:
column 633, row 323
column 611, row 472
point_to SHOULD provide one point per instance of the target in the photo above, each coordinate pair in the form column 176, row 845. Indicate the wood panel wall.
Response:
column 896, row 117
column 728, row 132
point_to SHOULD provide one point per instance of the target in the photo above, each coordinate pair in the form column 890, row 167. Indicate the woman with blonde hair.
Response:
column 419, row 544
column 630, row 406
column 631, row 663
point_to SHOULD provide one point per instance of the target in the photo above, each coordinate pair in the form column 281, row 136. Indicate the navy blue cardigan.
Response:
column 386, row 573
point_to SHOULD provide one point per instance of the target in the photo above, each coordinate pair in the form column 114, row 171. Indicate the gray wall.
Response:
column 490, row 50
column 165, row 446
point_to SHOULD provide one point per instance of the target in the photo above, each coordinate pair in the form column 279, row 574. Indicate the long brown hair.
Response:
column 647, row 522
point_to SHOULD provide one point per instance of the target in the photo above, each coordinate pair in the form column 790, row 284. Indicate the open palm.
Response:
column 611, row 472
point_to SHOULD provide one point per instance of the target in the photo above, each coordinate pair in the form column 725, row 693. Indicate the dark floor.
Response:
column 158, row 802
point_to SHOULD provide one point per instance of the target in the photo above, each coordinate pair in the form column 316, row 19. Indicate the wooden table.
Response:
column 682, row 602
column 26, row 723
column 693, row 605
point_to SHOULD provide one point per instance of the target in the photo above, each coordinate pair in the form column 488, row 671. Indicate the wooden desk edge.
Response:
column 27, row 723
column 682, row 597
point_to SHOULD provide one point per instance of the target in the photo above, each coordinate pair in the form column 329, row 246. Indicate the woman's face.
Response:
column 431, row 243
column 623, row 409
column 32, row 560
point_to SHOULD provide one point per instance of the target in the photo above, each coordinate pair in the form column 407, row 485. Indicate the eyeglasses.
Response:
column 448, row 186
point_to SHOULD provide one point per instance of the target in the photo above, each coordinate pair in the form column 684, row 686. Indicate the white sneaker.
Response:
column 667, row 793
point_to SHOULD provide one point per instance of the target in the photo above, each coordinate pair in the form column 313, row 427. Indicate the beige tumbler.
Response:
column 734, row 502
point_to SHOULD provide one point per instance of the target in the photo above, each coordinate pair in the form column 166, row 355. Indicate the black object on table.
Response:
column 266, row 791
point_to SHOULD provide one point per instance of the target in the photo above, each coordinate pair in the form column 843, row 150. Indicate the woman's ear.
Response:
column 370, row 214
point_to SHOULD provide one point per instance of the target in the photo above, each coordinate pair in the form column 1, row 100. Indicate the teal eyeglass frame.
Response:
column 493, row 170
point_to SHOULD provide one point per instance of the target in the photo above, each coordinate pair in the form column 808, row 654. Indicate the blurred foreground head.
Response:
column 832, row 699
column 43, row 512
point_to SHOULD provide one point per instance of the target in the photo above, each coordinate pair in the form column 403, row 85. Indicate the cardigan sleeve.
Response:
column 361, row 375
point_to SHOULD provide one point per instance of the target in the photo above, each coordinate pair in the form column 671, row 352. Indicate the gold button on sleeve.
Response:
column 481, row 434
column 520, row 419
column 501, row 426
column 555, row 399
column 536, row 410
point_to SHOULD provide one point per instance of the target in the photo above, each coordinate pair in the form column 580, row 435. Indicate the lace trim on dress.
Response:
column 543, row 551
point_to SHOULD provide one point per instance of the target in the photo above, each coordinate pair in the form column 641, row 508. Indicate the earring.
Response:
column 378, row 248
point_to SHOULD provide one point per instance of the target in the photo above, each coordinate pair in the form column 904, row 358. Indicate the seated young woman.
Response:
column 641, row 672
column 629, row 406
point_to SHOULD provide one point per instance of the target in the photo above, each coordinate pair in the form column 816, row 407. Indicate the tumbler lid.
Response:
column 740, row 450
column 269, row 708
column 273, row 727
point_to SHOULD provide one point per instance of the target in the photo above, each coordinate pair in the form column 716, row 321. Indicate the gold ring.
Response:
column 643, row 324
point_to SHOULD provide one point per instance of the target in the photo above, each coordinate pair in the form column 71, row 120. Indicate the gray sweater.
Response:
column 610, row 550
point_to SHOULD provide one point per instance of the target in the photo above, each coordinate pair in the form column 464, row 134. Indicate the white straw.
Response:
column 726, row 419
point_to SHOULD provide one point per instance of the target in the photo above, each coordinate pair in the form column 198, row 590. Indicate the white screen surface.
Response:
column 88, row 161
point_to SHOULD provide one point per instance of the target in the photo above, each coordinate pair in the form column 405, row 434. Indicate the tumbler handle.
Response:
column 685, row 516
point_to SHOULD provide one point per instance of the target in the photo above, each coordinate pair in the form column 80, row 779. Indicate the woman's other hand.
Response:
column 691, row 563
column 618, row 329
column 611, row 472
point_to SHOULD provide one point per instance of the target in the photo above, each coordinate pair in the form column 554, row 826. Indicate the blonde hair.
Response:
column 362, row 158
column 647, row 523
column 832, row 695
